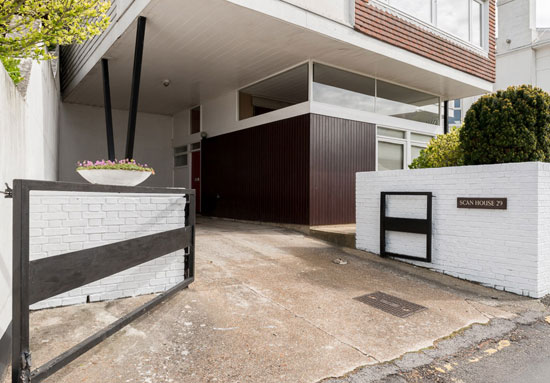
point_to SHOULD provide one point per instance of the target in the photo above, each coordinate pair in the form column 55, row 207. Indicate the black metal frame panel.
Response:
column 37, row 280
column 406, row 225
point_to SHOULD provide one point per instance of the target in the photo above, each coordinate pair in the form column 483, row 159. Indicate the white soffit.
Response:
column 207, row 48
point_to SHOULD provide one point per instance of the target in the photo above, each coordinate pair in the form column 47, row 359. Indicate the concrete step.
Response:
column 340, row 235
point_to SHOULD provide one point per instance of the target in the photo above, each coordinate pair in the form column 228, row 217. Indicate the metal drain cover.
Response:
column 390, row 304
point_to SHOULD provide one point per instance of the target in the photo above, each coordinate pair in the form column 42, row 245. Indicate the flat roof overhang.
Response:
column 207, row 48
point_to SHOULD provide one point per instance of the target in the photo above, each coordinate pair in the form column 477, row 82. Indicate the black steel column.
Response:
column 445, row 117
column 134, row 96
column 108, row 110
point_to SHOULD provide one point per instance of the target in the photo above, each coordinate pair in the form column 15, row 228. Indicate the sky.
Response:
column 543, row 13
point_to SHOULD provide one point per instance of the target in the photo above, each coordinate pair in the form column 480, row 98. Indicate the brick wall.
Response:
column 61, row 222
column 506, row 249
column 385, row 26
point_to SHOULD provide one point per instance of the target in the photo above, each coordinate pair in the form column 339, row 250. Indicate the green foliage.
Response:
column 508, row 126
column 12, row 67
column 442, row 151
column 33, row 28
column 115, row 165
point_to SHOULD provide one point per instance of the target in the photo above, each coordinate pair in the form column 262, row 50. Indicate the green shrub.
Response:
column 508, row 126
column 12, row 67
column 442, row 151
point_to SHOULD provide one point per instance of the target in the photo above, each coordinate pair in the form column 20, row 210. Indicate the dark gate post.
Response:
column 108, row 110
column 20, row 356
column 382, row 224
column 134, row 95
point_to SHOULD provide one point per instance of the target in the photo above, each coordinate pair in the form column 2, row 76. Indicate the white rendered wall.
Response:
column 83, row 137
column 62, row 222
column 517, row 23
column 521, row 59
column 506, row 249
column 516, row 68
column 28, row 149
column 543, row 67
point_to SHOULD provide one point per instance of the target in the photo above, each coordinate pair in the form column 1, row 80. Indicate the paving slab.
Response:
column 268, row 305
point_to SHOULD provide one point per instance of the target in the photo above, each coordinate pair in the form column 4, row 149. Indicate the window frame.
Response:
column 308, row 63
column 434, row 22
column 376, row 81
column 199, row 107
column 394, row 141
column 181, row 154
column 407, row 143
column 452, row 107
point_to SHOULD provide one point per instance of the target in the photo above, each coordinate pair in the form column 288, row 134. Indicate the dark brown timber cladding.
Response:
column 394, row 30
column 259, row 174
column 339, row 149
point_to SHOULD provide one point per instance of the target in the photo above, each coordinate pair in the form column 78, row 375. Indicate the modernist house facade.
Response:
column 523, row 52
column 269, row 108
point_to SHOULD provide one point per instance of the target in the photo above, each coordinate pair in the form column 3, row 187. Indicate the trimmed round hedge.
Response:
column 512, row 125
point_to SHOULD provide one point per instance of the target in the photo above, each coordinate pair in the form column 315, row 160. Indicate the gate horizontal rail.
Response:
column 406, row 225
column 34, row 281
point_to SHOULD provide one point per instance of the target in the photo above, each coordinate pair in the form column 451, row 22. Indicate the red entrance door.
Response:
column 196, row 177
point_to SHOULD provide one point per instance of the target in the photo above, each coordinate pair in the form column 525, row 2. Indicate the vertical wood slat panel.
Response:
column 259, row 174
column 339, row 149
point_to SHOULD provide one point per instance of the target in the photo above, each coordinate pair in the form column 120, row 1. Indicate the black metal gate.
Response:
column 406, row 225
column 34, row 281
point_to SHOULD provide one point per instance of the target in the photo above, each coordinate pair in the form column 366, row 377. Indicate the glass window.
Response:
column 477, row 23
column 196, row 146
column 455, row 112
column 180, row 156
column 180, row 160
column 390, row 133
column 283, row 90
column 421, row 9
column 342, row 88
column 390, row 156
column 196, row 120
column 420, row 137
column 463, row 18
column 455, row 117
column 415, row 152
column 454, row 16
column 397, row 101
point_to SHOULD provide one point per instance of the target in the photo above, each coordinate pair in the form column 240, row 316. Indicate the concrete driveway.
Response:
column 268, row 305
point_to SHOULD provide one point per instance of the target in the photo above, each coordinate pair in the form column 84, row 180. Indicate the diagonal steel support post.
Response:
column 108, row 109
column 134, row 95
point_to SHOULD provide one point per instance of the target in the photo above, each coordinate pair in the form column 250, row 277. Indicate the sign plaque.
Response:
column 482, row 203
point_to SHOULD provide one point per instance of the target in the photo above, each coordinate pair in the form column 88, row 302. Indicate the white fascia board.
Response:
column 345, row 33
column 120, row 26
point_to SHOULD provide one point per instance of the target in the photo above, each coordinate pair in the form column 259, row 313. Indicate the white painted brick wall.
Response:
column 62, row 222
column 506, row 249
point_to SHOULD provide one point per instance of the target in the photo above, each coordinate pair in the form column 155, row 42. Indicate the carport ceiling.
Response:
column 206, row 48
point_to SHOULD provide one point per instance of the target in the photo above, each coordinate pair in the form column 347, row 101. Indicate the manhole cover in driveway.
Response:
column 390, row 304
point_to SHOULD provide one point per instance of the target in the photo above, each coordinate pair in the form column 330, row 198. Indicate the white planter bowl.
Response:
column 114, row 177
